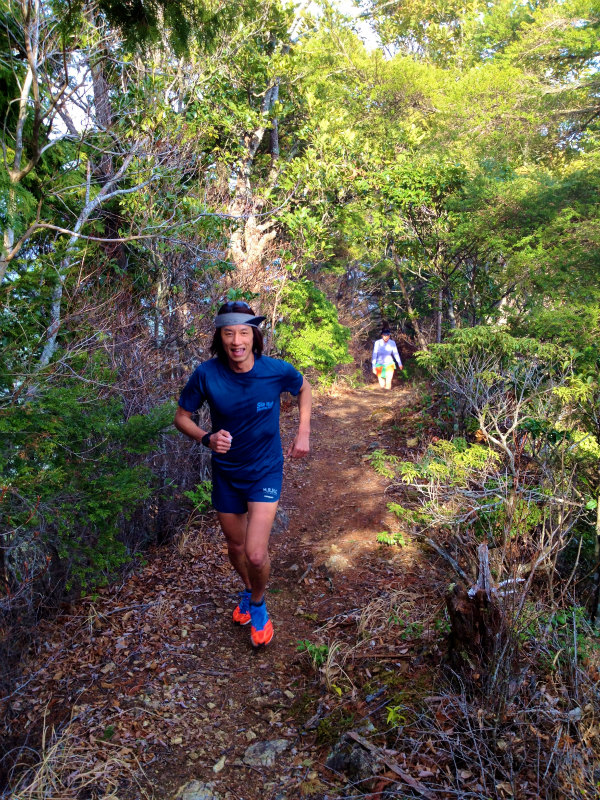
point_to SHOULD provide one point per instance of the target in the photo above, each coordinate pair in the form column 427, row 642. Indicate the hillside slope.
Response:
column 153, row 687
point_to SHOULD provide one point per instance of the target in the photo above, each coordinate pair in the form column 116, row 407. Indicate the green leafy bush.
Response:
column 310, row 334
column 201, row 496
column 492, row 349
column 72, row 471
column 569, row 325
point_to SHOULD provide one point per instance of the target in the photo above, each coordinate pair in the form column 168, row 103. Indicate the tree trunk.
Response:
column 439, row 313
column 65, row 264
column 104, row 168
column 274, row 170
column 249, row 241
column 451, row 314
column 29, row 96
column 414, row 319
column 596, row 609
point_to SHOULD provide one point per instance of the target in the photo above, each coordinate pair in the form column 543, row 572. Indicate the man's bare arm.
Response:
column 301, row 444
column 220, row 441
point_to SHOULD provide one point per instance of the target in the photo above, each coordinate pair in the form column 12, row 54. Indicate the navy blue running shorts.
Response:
column 231, row 495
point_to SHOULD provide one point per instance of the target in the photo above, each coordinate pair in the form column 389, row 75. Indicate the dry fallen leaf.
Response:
column 219, row 765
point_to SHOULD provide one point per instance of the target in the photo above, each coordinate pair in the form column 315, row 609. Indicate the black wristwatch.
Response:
column 206, row 440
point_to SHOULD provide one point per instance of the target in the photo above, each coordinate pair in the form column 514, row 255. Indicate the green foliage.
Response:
column 201, row 496
column 108, row 733
column 442, row 625
column 518, row 520
column 416, row 186
column 317, row 652
column 383, row 463
column 396, row 716
column 72, row 474
column 355, row 380
column 572, row 326
column 239, row 294
column 493, row 345
column 505, row 383
column 18, row 208
column 395, row 538
column 417, row 518
column 451, row 462
column 310, row 333
column 568, row 636
column 410, row 628
column 331, row 728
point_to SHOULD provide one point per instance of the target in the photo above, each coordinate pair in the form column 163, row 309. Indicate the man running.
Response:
column 385, row 353
column 242, row 388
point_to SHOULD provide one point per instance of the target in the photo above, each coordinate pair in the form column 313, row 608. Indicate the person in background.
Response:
column 242, row 388
column 385, row 357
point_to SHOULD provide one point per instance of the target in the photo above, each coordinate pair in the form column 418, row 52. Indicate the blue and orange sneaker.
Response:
column 241, row 615
column 262, row 628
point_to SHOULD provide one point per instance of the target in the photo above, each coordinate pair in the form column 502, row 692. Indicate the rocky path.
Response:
column 158, row 678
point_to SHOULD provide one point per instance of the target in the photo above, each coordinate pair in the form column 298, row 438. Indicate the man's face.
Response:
column 385, row 337
column 237, row 342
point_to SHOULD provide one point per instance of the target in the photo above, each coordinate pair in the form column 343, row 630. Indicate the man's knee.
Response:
column 235, row 548
column 257, row 558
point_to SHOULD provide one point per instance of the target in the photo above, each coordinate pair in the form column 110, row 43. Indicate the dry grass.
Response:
column 525, row 724
column 332, row 671
column 392, row 609
column 71, row 767
column 186, row 540
column 542, row 745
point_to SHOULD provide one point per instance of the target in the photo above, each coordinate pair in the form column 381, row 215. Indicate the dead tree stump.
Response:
column 476, row 619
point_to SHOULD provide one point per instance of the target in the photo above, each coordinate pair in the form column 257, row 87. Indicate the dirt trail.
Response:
column 155, row 672
column 337, row 500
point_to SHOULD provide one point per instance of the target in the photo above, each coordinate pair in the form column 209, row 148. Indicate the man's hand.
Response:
column 220, row 442
column 300, row 446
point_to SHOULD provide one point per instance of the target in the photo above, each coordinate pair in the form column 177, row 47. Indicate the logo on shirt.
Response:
column 264, row 406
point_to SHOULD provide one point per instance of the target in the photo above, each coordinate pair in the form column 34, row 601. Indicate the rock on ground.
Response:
column 195, row 790
column 263, row 754
column 349, row 758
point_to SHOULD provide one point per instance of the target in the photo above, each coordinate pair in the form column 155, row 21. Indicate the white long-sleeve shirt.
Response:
column 385, row 352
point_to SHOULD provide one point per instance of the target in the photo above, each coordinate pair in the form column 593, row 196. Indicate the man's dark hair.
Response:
column 236, row 307
column 386, row 332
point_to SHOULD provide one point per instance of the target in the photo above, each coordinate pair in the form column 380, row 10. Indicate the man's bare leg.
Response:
column 235, row 526
column 260, row 521
column 388, row 379
column 247, row 538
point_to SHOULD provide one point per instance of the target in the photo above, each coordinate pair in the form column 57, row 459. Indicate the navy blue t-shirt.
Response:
column 247, row 405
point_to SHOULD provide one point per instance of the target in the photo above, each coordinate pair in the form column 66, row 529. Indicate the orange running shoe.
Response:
column 241, row 615
column 261, row 632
